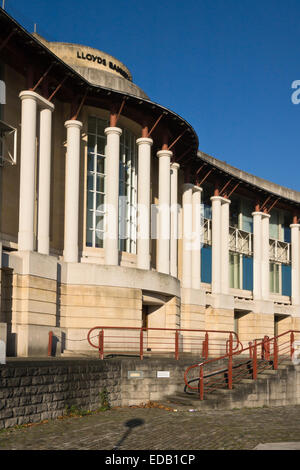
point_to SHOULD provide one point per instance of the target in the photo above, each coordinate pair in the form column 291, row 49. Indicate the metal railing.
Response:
column 161, row 341
column 225, row 371
column 279, row 251
column 207, row 231
column 240, row 241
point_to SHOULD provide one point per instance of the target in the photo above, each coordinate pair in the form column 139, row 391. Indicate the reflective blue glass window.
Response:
column 206, row 264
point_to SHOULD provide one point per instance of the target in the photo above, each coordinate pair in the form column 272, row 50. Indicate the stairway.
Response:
column 272, row 388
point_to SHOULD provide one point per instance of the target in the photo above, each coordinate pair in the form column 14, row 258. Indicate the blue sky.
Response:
column 226, row 66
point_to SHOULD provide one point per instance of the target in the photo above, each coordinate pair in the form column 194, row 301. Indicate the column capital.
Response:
column 164, row 153
column 197, row 189
column 295, row 226
column 144, row 140
column 223, row 200
column 73, row 123
column 175, row 166
column 112, row 130
column 263, row 214
column 40, row 100
column 256, row 213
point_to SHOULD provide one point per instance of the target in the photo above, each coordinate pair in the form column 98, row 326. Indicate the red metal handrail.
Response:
column 50, row 343
column 267, row 357
column 166, row 343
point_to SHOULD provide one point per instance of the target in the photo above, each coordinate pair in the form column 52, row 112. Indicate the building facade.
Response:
column 111, row 216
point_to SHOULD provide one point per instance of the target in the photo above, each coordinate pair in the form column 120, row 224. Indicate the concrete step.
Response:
column 70, row 353
column 268, row 372
column 286, row 362
column 246, row 381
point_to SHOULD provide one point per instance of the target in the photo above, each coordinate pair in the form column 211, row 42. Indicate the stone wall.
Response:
column 31, row 391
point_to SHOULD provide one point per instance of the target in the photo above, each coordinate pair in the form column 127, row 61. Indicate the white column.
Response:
column 265, row 259
column 143, row 221
column 44, row 180
column 111, row 236
column 216, row 244
column 174, row 220
column 197, row 233
column 72, row 191
column 187, row 235
column 163, row 261
column 27, row 171
column 295, row 258
column 257, row 253
column 225, row 246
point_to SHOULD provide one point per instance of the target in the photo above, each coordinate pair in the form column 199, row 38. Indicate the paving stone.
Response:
column 157, row 429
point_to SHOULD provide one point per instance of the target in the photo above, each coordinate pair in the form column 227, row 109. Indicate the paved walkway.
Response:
column 159, row 429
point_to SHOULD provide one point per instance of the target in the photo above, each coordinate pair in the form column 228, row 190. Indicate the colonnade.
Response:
column 168, row 226
column 168, row 190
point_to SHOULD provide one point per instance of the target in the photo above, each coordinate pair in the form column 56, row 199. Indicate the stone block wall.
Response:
column 31, row 392
column 255, row 326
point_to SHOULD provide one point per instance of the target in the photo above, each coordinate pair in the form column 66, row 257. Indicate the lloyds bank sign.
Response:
column 102, row 61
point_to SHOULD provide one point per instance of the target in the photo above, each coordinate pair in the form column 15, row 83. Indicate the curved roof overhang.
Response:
column 231, row 180
column 24, row 53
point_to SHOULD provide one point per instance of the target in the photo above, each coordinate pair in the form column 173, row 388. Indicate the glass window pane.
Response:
column 122, row 172
column 206, row 260
column 234, row 213
column 100, row 165
column 90, row 201
column 274, row 278
column 247, row 273
column 207, row 211
column 274, row 227
column 234, row 270
column 96, row 186
column 92, row 125
column 91, row 162
column 286, row 280
column 101, row 145
column 100, row 183
column 277, row 278
column 90, row 185
column 101, row 125
column 99, row 222
column 91, row 143
column 90, row 223
column 99, row 239
column 89, row 238
column 100, row 202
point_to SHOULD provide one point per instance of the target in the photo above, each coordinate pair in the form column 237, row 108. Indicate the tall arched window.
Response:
column 127, row 193
column 96, row 187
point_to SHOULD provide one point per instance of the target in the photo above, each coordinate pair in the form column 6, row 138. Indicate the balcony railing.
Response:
column 240, row 241
column 280, row 251
column 207, row 231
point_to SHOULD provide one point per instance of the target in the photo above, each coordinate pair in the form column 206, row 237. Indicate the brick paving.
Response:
column 159, row 429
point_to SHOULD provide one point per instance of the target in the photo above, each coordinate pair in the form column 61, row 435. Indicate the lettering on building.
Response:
column 102, row 61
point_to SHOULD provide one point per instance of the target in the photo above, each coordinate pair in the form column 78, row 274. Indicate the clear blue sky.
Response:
column 226, row 66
